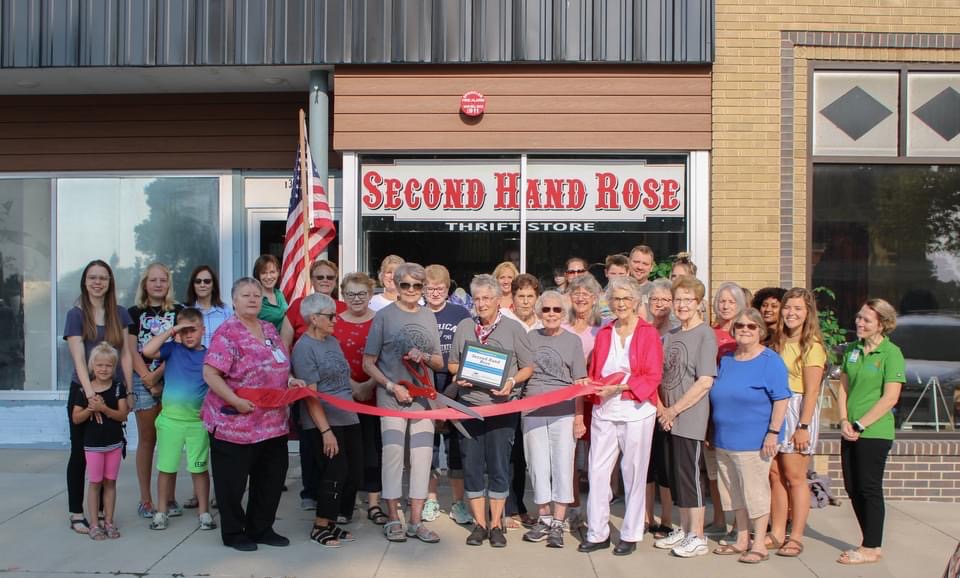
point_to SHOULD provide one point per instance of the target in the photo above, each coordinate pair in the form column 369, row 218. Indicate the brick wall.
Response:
column 924, row 470
column 759, row 235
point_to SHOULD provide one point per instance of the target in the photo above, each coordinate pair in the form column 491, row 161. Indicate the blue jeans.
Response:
column 488, row 453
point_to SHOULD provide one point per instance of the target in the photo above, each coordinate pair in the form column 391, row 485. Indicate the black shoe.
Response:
column 624, row 548
column 477, row 536
column 271, row 538
column 497, row 539
column 242, row 544
column 593, row 546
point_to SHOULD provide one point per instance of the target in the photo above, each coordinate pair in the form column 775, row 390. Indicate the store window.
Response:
column 465, row 213
column 25, row 329
column 131, row 222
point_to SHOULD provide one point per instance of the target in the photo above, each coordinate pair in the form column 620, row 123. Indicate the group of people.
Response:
column 666, row 401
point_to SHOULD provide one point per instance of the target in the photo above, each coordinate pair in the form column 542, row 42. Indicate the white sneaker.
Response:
column 691, row 546
column 159, row 521
column 206, row 521
column 672, row 539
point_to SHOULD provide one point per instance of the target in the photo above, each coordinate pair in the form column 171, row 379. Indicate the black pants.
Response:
column 308, row 453
column 338, row 478
column 76, row 465
column 371, row 452
column 265, row 464
column 518, row 474
column 863, row 463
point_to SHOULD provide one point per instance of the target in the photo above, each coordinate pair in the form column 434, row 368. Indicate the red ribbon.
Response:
column 272, row 398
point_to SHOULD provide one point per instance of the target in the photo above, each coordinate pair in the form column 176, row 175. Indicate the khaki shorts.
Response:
column 710, row 459
column 744, row 482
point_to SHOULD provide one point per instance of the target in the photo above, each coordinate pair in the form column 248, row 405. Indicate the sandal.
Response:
column 790, row 548
column 80, row 525
column 97, row 533
column 753, row 557
column 375, row 514
column 855, row 557
column 727, row 550
column 771, row 542
column 422, row 533
column 513, row 522
column 324, row 535
column 111, row 531
column 660, row 531
column 341, row 534
column 393, row 530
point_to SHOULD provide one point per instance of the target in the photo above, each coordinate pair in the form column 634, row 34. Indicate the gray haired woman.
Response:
column 404, row 333
column 584, row 319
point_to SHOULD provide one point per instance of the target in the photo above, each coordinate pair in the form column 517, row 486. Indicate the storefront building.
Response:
column 165, row 131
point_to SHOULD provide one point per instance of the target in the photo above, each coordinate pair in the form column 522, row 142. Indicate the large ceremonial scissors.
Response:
column 424, row 388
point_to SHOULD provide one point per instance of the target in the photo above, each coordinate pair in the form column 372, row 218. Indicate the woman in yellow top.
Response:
column 800, row 344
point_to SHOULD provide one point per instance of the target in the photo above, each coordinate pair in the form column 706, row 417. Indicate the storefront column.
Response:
column 319, row 117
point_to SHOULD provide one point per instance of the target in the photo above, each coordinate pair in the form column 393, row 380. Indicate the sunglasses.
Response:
column 408, row 286
column 324, row 277
column 576, row 271
column 551, row 310
column 203, row 281
column 329, row 316
column 750, row 326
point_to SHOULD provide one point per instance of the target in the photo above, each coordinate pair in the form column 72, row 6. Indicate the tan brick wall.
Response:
column 746, row 116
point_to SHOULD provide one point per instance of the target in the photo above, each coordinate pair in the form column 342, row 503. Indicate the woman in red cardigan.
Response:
column 628, row 358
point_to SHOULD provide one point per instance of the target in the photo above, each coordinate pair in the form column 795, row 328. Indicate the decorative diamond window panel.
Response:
column 855, row 113
column 933, row 119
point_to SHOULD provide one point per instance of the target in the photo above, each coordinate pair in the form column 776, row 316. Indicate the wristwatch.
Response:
column 858, row 427
column 803, row 426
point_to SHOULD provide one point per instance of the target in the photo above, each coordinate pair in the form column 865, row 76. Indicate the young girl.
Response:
column 102, row 438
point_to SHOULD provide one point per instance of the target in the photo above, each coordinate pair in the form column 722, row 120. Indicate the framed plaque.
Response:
column 484, row 367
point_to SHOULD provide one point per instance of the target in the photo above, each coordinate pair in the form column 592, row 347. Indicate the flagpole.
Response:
column 305, row 193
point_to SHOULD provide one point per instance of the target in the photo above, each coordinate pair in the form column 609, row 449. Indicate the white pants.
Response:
column 548, row 445
column 609, row 439
column 393, row 430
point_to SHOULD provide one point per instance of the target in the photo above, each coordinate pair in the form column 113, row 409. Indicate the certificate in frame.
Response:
column 484, row 367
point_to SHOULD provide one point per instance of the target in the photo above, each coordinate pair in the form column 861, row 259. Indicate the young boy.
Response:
column 179, row 423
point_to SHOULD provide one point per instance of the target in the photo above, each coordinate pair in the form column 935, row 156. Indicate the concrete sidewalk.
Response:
column 35, row 541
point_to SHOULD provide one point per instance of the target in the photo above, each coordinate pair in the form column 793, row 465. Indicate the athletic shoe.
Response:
column 460, row 514
column 145, row 510
column 691, row 546
column 538, row 533
column 672, row 539
column 206, row 521
column 555, row 537
column 159, row 521
column 308, row 504
column 713, row 530
column 174, row 509
column 729, row 539
column 431, row 509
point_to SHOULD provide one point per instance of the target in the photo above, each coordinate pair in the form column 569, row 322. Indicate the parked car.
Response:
column 931, row 347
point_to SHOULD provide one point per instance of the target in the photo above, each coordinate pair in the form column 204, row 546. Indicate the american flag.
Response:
column 293, row 282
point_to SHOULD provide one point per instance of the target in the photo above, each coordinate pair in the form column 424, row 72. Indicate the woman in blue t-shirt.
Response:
column 748, row 402
column 96, row 318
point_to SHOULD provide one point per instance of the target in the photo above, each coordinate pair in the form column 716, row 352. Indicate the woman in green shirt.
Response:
column 266, row 270
column 873, row 372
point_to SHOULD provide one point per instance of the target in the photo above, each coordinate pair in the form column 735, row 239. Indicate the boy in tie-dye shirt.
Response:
column 179, row 422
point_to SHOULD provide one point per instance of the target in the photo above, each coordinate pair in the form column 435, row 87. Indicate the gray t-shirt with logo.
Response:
column 323, row 363
column 558, row 361
column 509, row 335
column 687, row 356
column 393, row 334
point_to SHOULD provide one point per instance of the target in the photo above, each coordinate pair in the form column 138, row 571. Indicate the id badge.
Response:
column 854, row 356
column 278, row 355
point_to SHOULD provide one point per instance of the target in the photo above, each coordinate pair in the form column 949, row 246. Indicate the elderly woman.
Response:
column 505, row 273
column 385, row 275
column 584, row 317
column 800, row 345
column 748, row 402
column 690, row 364
column 323, row 279
column 404, row 331
column 266, row 270
column 486, row 455
column 872, row 376
column 623, row 420
column 525, row 289
column 246, row 441
column 768, row 302
column 549, row 433
column 351, row 330
column 334, row 433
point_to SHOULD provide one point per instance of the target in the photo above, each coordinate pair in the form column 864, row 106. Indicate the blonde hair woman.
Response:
column 385, row 275
column 505, row 273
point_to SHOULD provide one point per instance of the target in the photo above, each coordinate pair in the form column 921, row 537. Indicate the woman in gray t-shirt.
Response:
column 404, row 331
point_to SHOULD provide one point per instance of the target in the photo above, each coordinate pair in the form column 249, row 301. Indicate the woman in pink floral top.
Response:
column 246, row 441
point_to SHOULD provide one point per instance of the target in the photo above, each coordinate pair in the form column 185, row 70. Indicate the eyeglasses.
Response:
column 429, row 289
column 324, row 277
column 750, row 326
column 329, row 316
column 685, row 300
column 576, row 271
column 661, row 299
column 546, row 310
column 408, row 286
column 351, row 295
column 203, row 281
column 622, row 299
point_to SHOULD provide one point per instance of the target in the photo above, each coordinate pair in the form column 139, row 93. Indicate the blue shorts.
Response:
column 142, row 399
